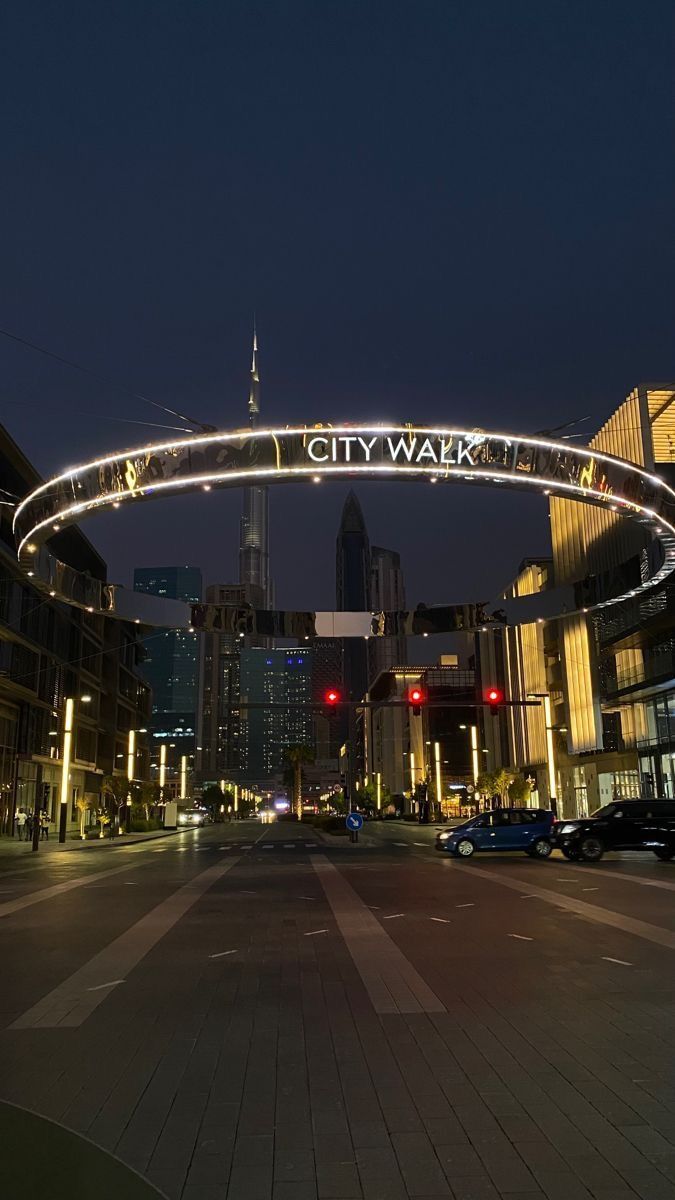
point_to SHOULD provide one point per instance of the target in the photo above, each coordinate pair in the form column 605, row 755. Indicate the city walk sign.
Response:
column 410, row 452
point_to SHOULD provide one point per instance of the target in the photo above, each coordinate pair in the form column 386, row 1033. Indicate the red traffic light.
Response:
column 494, row 697
column 332, row 696
column 415, row 695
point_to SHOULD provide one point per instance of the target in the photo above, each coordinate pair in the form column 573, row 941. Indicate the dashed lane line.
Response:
column 69, row 1004
column 392, row 983
column 520, row 937
column 223, row 953
column 593, row 912
column 621, row 961
column 314, row 932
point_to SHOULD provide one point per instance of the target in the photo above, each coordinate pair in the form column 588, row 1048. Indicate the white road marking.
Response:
column 583, row 908
column 313, row 932
column 375, row 907
column 101, row 986
column 590, row 889
column 520, row 937
column 289, row 845
column 223, row 953
column 471, row 905
column 392, row 916
column 310, row 845
column 393, row 984
column 404, row 844
column 424, row 844
column 529, row 896
column 128, row 884
column 621, row 961
column 565, row 879
column 442, row 920
column 269, row 847
column 70, row 1003
column 305, row 897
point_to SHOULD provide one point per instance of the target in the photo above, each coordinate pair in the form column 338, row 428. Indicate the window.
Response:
column 525, row 817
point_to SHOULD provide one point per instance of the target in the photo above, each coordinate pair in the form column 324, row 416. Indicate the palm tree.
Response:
column 295, row 757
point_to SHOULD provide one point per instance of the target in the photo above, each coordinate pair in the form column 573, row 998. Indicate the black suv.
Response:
column 621, row 825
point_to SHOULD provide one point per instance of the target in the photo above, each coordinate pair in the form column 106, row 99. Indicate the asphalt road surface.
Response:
column 247, row 1012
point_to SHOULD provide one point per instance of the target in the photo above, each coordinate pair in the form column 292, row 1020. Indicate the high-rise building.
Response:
column 353, row 582
column 218, row 719
column 271, row 678
column 49, row 653
column 254, row 527
column 387, row 594
column 172, row 664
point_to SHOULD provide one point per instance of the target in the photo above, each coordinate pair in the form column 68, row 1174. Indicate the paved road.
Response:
column 245, row 1012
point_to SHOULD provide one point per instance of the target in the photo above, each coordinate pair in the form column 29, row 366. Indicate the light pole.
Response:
column 64, row 793
column 550, row 750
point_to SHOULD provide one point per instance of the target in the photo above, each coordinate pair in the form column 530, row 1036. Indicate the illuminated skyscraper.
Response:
column 352, row 579
column 254, row 527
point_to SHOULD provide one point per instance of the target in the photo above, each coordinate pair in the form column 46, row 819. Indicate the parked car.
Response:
column 621, row 825
column 527, row 829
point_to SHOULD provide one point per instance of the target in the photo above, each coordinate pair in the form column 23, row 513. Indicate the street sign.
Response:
column 354, row 822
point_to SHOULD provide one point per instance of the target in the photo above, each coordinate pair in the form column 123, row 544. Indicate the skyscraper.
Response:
column 269, row 678
column 352, row 579
column 171, row 666
column 218, row 720
column 387, row 594
column 254, row 526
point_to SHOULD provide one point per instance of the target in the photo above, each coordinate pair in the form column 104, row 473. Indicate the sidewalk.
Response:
column 13, row 848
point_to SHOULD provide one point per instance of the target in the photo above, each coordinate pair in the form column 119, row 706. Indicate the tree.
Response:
column 295, row 756
column 503, row 781
column 86, row 803
column 147, row 795
column 114, row 791
column 520, row 790
column 486, row 784
column 212, row 797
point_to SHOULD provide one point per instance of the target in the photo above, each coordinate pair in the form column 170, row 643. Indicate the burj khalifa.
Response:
column 254, row 527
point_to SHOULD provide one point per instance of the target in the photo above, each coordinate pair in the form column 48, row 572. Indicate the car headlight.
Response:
column 568, row 829
column 443, row 837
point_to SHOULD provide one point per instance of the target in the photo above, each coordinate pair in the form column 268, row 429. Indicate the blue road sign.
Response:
column 354, row 821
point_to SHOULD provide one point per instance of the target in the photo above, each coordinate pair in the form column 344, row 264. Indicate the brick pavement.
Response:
column 268, row 1075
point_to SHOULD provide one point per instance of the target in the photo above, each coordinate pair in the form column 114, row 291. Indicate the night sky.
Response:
column 457, row 212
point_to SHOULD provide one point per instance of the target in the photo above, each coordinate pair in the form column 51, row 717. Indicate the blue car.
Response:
column 527, row 829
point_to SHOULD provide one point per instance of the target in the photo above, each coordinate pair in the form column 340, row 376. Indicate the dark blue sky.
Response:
column 442, row 211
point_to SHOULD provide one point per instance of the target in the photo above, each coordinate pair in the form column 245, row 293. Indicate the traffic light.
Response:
column 332, row 696
column 416, row 699
column 495, row 698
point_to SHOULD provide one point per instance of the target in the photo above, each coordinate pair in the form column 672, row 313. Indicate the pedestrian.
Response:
column 44, row 824
column 20, row 823
column 30, row 817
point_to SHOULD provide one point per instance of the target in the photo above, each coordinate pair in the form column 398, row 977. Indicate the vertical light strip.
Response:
column 222, row 786
column 183, row 777
column 474, row 754
column 131, row 754
column 236, row 798
column 67, row 745
column 379, row 789
column 162, row 768
column 437, row 757
column 550, row 759
column 412, row 772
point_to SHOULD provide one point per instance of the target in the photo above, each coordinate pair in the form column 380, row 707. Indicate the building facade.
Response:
column 171, row 666
column 218, row 718
column 387, row 594
column 608, row 676
column 352, row 592
column 276, row 710
column 436, row 748
column 49, row 653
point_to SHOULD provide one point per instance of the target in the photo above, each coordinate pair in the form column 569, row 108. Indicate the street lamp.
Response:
column 68, row 727
column 550, row 752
